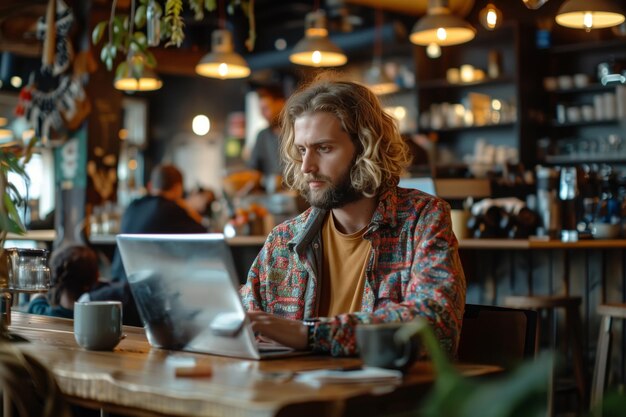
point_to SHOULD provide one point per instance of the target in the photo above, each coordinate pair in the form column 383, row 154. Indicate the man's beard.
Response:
column 336, row 195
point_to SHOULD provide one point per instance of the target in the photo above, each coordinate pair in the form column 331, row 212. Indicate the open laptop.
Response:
column 185, row 288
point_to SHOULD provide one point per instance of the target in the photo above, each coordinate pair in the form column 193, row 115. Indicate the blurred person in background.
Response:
column 163, row 210
column 73, row 272
column 265, row 156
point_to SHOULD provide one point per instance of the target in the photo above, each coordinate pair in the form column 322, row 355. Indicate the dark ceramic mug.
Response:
column 388, row 345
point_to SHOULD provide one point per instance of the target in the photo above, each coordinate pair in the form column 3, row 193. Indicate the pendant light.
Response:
column 134, row 75
column 375, row 77
column 222, row 62
column 586, row 14
column 534, row 4
column 315, row 49
column 440, row 26
column 490, row 17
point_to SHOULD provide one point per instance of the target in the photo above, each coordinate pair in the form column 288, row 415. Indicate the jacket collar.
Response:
column 385, row 214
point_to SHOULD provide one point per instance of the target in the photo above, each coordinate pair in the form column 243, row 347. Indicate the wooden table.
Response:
column 138, row 380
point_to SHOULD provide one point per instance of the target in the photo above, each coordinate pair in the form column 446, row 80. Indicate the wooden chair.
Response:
column 603, row 351
column 497, row 335
column 573, row 328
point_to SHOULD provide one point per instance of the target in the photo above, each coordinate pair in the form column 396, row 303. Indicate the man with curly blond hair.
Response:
column 367, row 251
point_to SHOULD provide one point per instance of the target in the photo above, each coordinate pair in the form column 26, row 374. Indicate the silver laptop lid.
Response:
column 185, row 288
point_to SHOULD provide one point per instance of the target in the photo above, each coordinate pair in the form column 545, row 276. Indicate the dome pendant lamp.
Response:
column 375, row 77
column 222, row 62
column 135, row 75
column 315, row 49
column 587, row 14
column 441, row 27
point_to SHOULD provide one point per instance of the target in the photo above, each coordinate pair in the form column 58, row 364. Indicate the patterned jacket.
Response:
column 413, row 270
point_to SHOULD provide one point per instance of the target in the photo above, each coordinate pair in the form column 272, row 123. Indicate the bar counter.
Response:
column 491, row 244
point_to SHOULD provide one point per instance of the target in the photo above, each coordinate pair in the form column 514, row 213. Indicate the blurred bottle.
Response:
column 568, row 192
column 153, row 23
column 547, row 203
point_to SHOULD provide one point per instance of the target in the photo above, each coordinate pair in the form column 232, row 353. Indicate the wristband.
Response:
column 310, row 332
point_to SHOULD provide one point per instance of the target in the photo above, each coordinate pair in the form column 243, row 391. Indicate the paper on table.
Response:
column 357, row 376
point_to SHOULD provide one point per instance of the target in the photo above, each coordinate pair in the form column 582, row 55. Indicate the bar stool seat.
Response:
column 608, row 312
column 573, row 328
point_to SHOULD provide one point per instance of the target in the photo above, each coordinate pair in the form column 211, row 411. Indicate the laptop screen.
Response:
column 185, row 288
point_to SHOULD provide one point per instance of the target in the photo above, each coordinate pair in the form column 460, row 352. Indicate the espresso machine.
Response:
column 25, row 271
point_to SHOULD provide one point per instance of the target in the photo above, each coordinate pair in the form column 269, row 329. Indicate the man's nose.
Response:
column 308, row 163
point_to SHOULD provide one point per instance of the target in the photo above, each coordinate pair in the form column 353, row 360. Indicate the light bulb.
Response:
column 588, row 21
column 222, row 69
column 490, row 17
column 316, row 57
column 201, row 125
column 433, row 50
column 442, row 35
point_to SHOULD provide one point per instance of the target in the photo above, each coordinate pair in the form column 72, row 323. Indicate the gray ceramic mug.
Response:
column 385, row 346
column 98, row 324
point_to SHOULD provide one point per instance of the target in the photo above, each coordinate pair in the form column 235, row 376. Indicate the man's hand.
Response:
column 290, row 333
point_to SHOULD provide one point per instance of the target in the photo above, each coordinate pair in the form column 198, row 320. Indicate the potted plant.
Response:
column 14, row 156
column 521, row 393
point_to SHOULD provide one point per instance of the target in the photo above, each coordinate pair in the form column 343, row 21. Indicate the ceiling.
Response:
column 275, row 19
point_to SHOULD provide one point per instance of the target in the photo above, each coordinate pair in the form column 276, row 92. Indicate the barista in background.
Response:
column 265, row 156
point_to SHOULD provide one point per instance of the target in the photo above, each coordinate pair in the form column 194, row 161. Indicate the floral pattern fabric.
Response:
column 413, row 270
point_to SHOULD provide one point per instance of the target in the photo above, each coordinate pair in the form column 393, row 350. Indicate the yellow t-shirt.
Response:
column 343, row 274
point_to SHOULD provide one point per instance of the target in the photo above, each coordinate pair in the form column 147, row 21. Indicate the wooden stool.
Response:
column 603, row 350
column 573, row 329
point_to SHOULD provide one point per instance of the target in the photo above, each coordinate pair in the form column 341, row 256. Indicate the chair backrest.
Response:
column 497, row 335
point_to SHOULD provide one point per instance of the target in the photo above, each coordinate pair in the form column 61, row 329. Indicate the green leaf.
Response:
column 197, row 7
column 14, row 223
column 210, row 5
column 150, row 59
column 121, row 69
column 104, row 52
column 141, row 39
column 108, row 62
column 98, row 32
column 140, row 16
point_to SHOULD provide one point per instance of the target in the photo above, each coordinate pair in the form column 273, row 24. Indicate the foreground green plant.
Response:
column 521, row 393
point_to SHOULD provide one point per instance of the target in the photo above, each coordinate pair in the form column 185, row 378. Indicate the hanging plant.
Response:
column 152, row 23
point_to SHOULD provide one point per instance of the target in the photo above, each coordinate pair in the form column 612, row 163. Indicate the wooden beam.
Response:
column 176, row 61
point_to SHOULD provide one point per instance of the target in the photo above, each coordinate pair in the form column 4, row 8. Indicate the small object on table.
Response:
column 196, row 371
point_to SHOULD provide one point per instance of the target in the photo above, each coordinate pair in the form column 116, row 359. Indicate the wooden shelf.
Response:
column 572, row 159
column 443, row 83
column 585, row 123
column 591, row 88
column 593, row 46
column 469, row 128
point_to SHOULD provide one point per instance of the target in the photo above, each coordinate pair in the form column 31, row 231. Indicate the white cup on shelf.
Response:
column 565, row 82
column 587, row 113
column 573, row 114
column 581, row 80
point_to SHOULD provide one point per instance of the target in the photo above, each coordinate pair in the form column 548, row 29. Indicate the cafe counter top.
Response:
column 495, row 244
